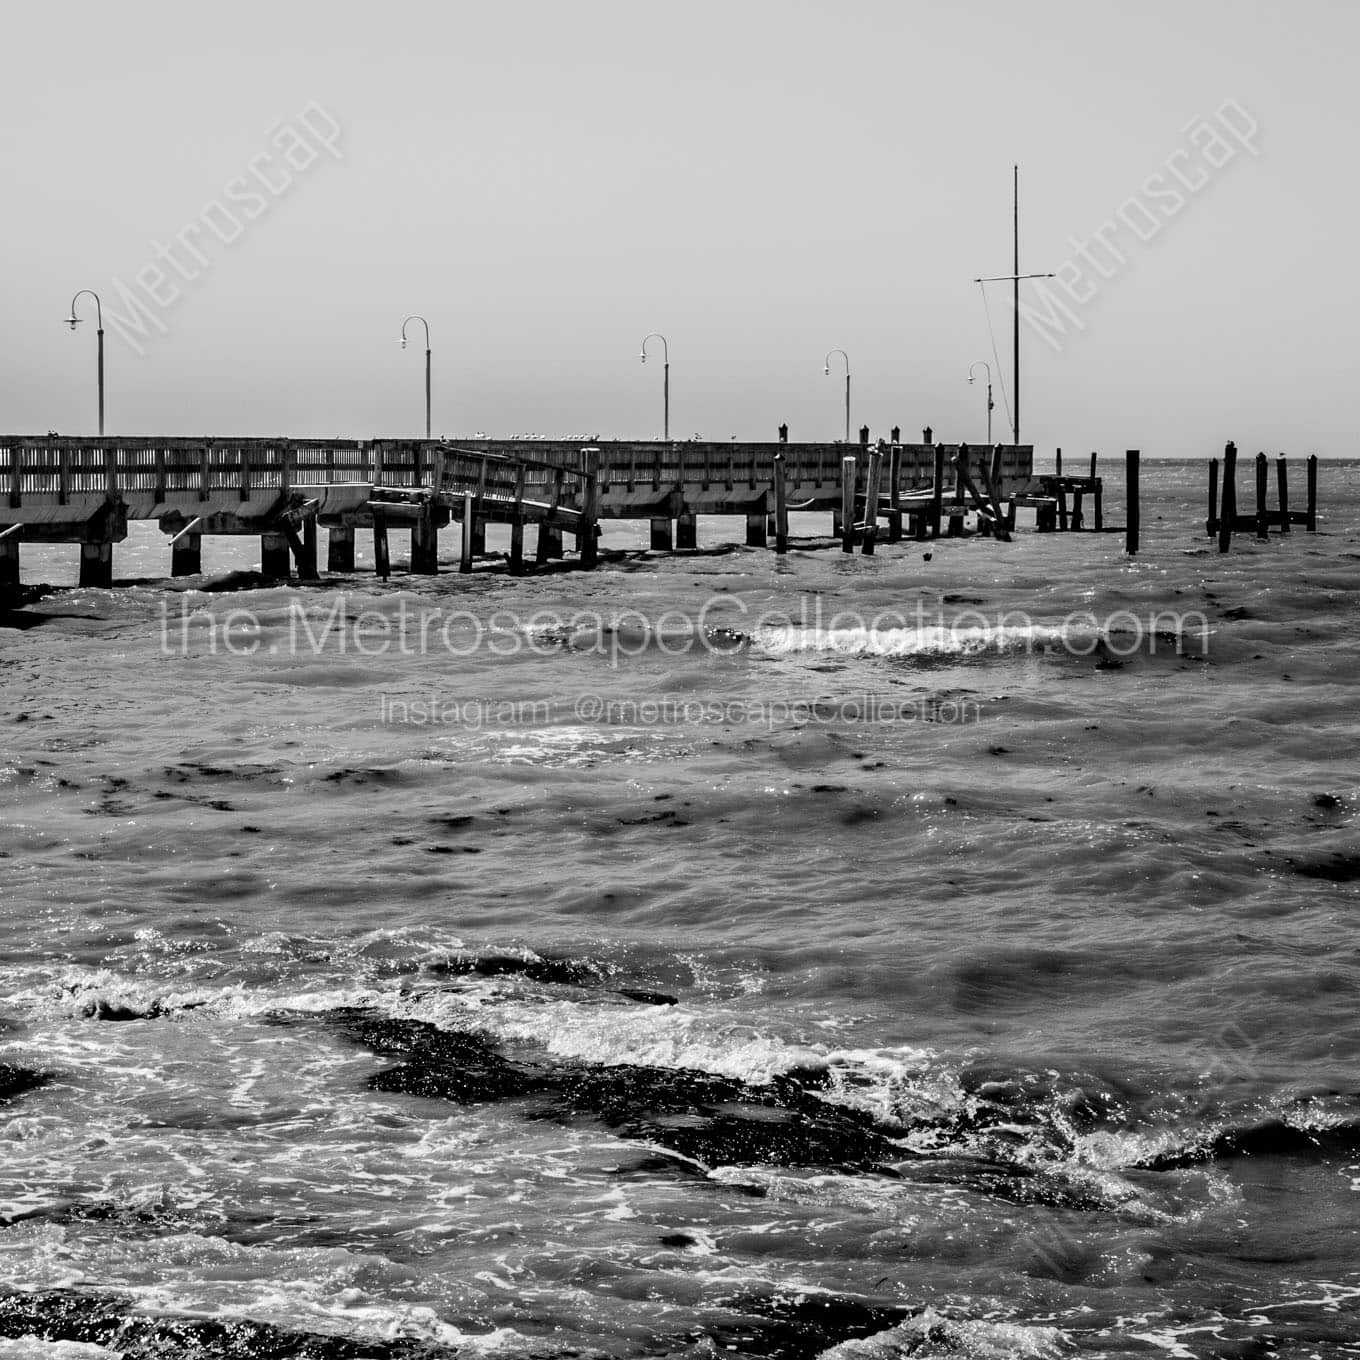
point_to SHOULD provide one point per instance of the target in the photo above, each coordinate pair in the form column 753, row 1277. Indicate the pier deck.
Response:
column 85, row 490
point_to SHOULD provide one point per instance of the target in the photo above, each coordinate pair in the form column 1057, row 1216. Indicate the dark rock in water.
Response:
column 799, row 1326
column 14, row 1081
column 710, row 1120
column 648, row 998
column 1270, row 1138
column 1335, row 868
column 446, row 1064
column 570, row 972
column 110, row 1321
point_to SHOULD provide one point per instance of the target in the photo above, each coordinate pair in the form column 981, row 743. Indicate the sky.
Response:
column 260, row 192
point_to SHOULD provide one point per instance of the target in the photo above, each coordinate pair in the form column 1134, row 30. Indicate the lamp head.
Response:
column 826, row 370
column 73, row 321
column 403, row 343
column 643, row 356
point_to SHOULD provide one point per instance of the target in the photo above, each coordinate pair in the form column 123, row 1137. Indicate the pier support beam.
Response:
column 96, row 563
column 425, row 542
column 1131, row 523
column 517, row 548
column 549, row 543
column 687, row 532
column 478, row 537
column 662, row 539
column 382, row 558
column 340, row 548
column 781, row 505
column 757, row 531
column 9, row 557
column 274, row 555
column 469, row 534
column 186, row 553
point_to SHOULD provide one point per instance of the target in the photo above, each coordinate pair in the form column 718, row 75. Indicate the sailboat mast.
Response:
column 1015, row 303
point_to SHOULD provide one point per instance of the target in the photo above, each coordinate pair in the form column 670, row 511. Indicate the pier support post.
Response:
column 781, row 506
column 9, row 557
column 549, row 543
column 340, row 548
column 382, row 560
column 1227, row 513
column 848, row 503
column 274, row 555
column 469, row 534
column 186, row 552
column 1262, row 486
column 1310, row 523
column 478, row 537
column 588, row 539
column 687, row 531
column 425, row 541
column 895, row 489
column 517, row 547
column 937, row 491
column 1211, row 524
column 1131, row 495
column 1282, row 485
column 662, row 539
column 871, row 489
column 757, row 531
column 96, row 563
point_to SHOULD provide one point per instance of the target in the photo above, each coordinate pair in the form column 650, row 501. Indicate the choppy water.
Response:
column 668, row 961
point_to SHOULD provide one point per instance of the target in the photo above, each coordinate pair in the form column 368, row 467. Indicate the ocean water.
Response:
column 947, row 952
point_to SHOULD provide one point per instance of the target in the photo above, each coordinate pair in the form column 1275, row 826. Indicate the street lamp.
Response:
column 826, row 369
column 426, row 324
column 73, row 321
column 990, row 403
column 665, row 379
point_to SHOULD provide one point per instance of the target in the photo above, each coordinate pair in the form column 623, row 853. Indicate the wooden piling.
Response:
column 588, row 540
column 1211, row 523
column 96, row 563
column 757, row 534
column 9, row 552
column 1227, row 512
column 662, row 539
column 548, row 544
column 1282, row 486
column 686, row 532
column 871, row 489
column 186, row 550
column 1262, row 484
column 465, row 551
column 937, row 491
column 1310, row 523
column 1131, row 496
column 340, row 548
column 274, row 559
column 781, row 506
column 956, row 507
column 848, row 503
column 895, row 492
column 382, row 560
column 516, row 560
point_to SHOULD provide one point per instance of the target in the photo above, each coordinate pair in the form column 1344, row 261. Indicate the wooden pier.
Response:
column 84, row 491
column 1224, row 519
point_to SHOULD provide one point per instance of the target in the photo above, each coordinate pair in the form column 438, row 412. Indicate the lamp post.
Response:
column 826, row 369
column 73, row 321
column 984, row 364
column 665, row 380
column 426, row 324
